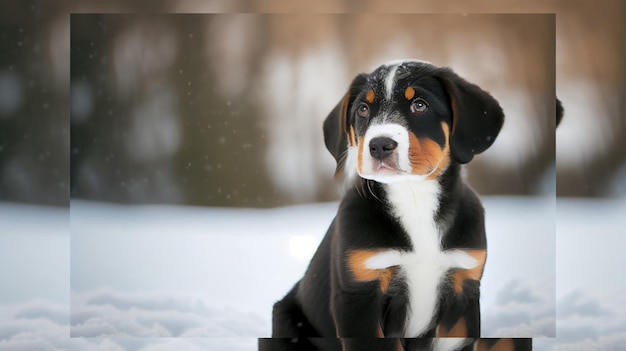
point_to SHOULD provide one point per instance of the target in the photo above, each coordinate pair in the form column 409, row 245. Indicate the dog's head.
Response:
column 408, row 121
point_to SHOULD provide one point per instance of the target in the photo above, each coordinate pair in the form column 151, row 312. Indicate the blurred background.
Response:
column 226, row 110
column 164, row 108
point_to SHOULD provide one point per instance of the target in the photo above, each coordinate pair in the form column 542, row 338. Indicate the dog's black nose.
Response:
column 380, row 148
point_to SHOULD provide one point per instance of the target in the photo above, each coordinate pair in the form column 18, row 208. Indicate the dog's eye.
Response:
column 419, row 106
column 363, row 110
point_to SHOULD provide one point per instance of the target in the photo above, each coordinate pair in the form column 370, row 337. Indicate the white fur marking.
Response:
column 394, row 131
column 415, row 205
column 349, row 167
column 391, row 80
column 384, row 260
column 461, row 259
column 401, row 136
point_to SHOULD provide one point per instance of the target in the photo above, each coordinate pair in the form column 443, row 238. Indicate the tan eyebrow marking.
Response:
column 370, row 96
column 409, row 93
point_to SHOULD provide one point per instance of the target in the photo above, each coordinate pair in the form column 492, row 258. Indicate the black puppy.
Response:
column 404, row 256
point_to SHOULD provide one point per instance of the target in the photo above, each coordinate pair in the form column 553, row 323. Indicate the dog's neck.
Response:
column 438, row 190
column 413, row 194
column 415, row 204
column 433, row 199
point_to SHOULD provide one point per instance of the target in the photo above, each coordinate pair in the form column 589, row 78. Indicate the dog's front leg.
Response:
column 356, row 314
column 356, row 306
column 357, row 322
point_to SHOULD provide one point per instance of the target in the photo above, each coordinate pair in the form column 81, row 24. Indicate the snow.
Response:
column 206, row 278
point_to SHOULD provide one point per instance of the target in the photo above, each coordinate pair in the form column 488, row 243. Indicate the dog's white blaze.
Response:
column 391, row 80
column 415, row 205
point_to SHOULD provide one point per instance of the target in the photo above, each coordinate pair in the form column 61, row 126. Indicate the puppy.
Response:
column 403, row 258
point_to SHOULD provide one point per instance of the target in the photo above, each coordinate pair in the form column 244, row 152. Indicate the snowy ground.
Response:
column 209, row 276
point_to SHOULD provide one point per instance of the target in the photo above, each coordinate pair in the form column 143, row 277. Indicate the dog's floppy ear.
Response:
column 476, row 117
column 335, row 128
column 336, row 125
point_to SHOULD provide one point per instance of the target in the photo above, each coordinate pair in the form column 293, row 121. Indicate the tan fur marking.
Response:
column 461, row 275
column 409, row 93
column 359, row 157
column 458, row 330
column 505, row 344
column 356, row 264
column 385, row 278
column 343, row 116
column 379, row 331
column 480, row 345
column 399, row 345
column 370, row 96
column 438, row 330
column 424, row 154
column 352, row 136
column 444, row 162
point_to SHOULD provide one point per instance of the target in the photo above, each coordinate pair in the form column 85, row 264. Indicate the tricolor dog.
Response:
column 403, row 258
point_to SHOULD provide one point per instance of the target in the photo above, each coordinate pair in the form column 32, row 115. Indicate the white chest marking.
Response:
column 415, row 205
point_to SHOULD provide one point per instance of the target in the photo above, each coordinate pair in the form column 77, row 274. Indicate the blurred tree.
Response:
column 34, row 162
column 160, row 130
column 221, row 158
column 213, row 152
